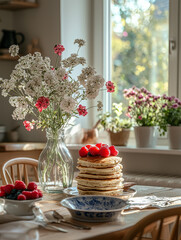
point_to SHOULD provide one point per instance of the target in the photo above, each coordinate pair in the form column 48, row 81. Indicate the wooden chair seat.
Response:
column 155, row 223
column 17, row 169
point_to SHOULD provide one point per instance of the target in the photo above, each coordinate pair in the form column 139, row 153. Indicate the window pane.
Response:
column 140, row 45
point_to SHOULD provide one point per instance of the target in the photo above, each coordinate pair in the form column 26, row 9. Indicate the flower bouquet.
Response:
column 170, row 112
column 143, row 106
column 143, row 109
column 50, row 96
column 170, row 119
column 117, row 126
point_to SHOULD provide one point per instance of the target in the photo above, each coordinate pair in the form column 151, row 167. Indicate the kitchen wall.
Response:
column 6, row 22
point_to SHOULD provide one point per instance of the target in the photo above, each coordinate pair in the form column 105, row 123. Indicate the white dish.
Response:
column 19, row 207
column 72, row 191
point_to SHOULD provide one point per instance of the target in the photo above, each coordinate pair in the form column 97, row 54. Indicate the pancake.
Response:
column 99, row 162
column 118, row 187
column 95, row 176
column 99, row 182
column 92, row 192
column 100, row 171
column 100, row 175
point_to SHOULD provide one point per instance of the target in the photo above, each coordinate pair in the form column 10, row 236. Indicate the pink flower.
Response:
column 58, row 49
column 28, row 125
column 110, row 86
column 42, row 103
column 65, row 76
column 82, row 110
column 52, row 68
column 175, row 105
column 128, row 115
column 125, row 34
column 140, row 117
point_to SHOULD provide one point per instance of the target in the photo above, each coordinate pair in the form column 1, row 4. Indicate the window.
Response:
column 144, row 45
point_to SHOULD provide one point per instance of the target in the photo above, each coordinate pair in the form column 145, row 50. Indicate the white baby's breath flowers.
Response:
column 81, row 60
column 96, row 81
column 88, row 71
column 34, row 81
column 14, row 50
column 99, row 106
column 80, row 42
column 68, row 104
column 91, row 92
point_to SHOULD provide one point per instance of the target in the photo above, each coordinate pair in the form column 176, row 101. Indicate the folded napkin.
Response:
column 153, row 202
column 21, row 230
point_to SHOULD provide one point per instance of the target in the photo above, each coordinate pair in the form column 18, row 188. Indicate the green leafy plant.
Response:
column 114, row 122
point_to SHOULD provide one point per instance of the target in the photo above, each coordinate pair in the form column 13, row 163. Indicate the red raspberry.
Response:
column 88, row 146
column 105, row 145
column 2, row 188
column 104, row 152
column 40, row 193
column 32, row 186
column 21, row 197
column 20, row 185
column 27, row 194
column 34, row 194
column 113, row 151
column 94, row 151
column 8, row 188
column 83, row 152
column 2, row 194
column 99, row 145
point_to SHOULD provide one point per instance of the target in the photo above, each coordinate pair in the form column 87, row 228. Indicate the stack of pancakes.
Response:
column 100, row 176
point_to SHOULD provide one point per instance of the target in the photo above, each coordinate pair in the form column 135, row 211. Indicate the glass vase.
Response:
column 55, row 164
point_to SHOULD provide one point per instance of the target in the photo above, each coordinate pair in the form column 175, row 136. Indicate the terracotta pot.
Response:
column 120, row 138
column 174, row 137
column 145, row 137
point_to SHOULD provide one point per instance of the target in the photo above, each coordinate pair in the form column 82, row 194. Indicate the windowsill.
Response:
column 133, row 149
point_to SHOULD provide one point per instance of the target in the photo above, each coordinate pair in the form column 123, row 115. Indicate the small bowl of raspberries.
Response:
column 19, row 199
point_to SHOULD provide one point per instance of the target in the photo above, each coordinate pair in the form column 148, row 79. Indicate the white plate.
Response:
column 72, row 191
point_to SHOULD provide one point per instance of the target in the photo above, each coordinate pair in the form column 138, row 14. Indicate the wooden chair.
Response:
column 155, row 223
column 17, row 167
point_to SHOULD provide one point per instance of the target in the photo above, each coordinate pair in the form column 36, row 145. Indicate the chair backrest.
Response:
column 159, row 217
column 17, row 167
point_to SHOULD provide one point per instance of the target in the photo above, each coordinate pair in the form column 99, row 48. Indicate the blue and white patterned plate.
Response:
column 94, row 208
column 72, row 191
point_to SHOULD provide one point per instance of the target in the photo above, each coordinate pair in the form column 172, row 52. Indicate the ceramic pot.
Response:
column 145, row 137
column 174, row 137
column 119, row 138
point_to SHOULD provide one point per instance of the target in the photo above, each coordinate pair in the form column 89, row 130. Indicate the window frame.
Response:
column 174, row 68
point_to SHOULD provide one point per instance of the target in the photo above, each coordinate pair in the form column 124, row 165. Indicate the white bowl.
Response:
column 19, row 207
column 94, row 208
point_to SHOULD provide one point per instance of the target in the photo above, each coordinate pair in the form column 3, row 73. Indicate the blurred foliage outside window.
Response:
column 140, row 45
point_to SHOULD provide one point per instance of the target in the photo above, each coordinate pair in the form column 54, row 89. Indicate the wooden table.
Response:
column 111, row 230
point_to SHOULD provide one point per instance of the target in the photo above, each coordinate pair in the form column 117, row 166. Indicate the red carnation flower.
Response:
column 58, row 49
column 82, row 110
column 110, row 86
column 42, row 103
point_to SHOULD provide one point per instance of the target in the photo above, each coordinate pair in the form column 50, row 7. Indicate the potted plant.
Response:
column 143, row 109
column 117, row 126
column 170, row 119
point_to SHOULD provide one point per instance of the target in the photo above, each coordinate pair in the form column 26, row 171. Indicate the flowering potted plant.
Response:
column 117, row 127
column 170, row 119
column 143, row 109
column 52, row 97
